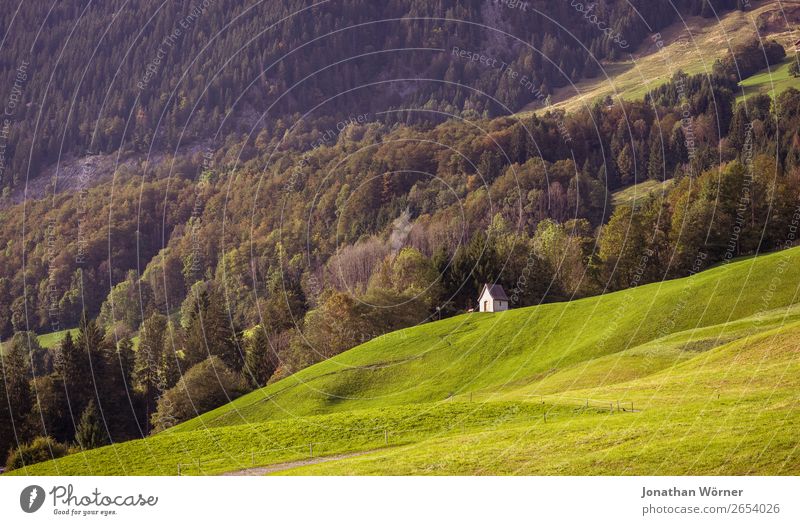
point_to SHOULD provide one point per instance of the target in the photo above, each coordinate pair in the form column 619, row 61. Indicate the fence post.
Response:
column 179, row 469
column 311, row 449
column 631, row 406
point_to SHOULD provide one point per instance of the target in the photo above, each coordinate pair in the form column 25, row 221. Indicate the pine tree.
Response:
column 656, row 168
column 126, row 359
column 90, row 338
column 170, row 370
column 194, row 344
column 625, row 166
column 210, row 333
column 489, row 166
column 260, row 360
column 84, row 371
column 149, row 361
column 73, row 367
column 7, row 438
column 677, row 146
column 17, row 377
column 90, row 433
column 117, row 396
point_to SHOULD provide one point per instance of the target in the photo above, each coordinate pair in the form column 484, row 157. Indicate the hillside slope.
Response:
column 691, row 45
column 490, row 353
column 177, row 63
column 697, row 375
column 729, row 411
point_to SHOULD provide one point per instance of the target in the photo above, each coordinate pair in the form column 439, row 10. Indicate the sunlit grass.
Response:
column 772, row 82
column 223, row 449
column 731, row 411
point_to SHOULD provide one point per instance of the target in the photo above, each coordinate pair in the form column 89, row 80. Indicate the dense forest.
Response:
column 85, row 77
column 207, row 274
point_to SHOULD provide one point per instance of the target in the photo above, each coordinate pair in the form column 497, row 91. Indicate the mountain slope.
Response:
column 691, row 45
column 100, row 76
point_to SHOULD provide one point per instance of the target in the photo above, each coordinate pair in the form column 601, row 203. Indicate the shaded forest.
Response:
column 86, row 77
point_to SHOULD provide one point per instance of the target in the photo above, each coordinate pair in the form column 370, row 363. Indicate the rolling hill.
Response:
column 697, row 375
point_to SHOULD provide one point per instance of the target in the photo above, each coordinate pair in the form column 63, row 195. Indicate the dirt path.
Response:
column 278, row 467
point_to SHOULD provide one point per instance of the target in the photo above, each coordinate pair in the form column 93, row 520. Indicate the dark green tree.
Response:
column 656, row 167
column 260, row 360
column 210, row 332
column 85, row 381
column 118, row 398
column 18, row 399
column 7, row 436
column 50, row 415
column 72, row 365
column 170, row 370
column 149, row 358
column 90, row 433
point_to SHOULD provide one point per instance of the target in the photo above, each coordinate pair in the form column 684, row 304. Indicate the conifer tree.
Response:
column 170, row 370
column 149, row 361
column 210, row 333
column 82, row 364
column 7, row 438
column 90, row 433
column 16, row 394
column 260, row 360
column 656, row 168
column 118, row 398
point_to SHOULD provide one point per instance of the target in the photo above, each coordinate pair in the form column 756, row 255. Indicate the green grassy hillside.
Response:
column 773, row 81
column 728, row 411
column 496, row 353
column 710, row 365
